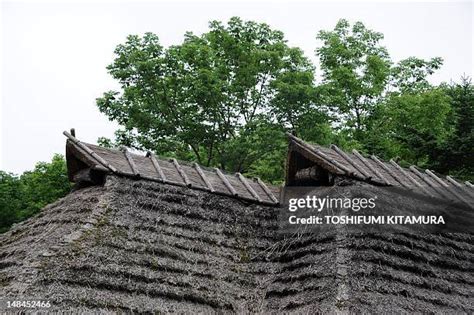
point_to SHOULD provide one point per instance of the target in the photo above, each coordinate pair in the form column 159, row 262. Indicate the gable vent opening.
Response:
column 303, row 172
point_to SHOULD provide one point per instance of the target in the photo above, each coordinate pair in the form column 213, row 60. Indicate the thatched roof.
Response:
column 82, row 156
column 129, row 243
column 145, row 246
column 338, row 163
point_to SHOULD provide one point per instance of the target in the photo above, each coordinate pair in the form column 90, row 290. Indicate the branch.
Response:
column 196, row 152
column 257, row 101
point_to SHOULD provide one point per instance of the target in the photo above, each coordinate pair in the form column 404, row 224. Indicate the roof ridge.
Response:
column 122, row 162
column 161, row 158
column 387, row 173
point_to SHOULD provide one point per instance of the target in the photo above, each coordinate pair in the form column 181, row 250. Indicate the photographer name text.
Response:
column 372, row 220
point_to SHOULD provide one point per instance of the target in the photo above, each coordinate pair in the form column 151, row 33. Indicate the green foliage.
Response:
column 23, row 196
column 10, row 200
column 410, row 126
column 410, row 75
column 209, row 99
column 358, row 76
column 456, row 154
column 268, row 164
column 356, row 70
column 226, row 97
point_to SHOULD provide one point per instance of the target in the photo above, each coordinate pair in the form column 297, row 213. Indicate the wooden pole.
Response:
column 156, row 165
column 226, row 182
column 406, row 174
column 429, row 182
column 130, row 161
column 389, row 171
column 446, row 186
column 371, row 168
column 181, row 172
column 266, row 190
column 348, row 159
column 249, row 188
column 97, row 157
column 203, row 177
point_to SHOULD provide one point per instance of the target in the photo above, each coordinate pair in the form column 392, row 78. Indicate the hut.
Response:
column 149, row 235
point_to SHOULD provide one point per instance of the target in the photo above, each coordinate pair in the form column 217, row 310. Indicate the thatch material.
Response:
column 143, row 240
column 355, row 166
column 144, row 246
column 81, row 155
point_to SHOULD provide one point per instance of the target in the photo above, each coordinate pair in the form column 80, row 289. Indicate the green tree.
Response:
column 456, row 155
column 359, row 76
column 225, row 98
column 410, row 126
column 10, row 200
column 25, row 195
column 44, row 184
column 356, row 69
column 411, row 75
column 297, row 107
column 209, row 99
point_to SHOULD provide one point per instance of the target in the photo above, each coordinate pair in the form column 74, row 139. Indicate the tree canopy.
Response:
column 23, row 196
column 356, row 70
column 226, row 97
column 209, row 99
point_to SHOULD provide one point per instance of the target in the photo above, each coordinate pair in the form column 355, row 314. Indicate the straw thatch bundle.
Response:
column 143, row 246
column 139, row 234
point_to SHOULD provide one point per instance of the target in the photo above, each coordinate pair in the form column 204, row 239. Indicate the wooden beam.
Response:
column 309, row 173
column 130, row 161
column 321, row 155
column 351, row 162
column 429, row 182
column 157, row 166
column 453, row 181
column 436, row 178
column 243, row 180
column 226, row 182
column 413, row 180
column 371, row 168
column 181, row 172
column 97, row 157
column 316, row 159
column 100, row 168
column 331, row 160
column 266, row 190
column 446, row 186
column 468, row 189
column 389, row 171
column 203, row 177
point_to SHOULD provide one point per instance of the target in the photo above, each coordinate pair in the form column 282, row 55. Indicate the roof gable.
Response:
column 372, row 170
column 82, row 155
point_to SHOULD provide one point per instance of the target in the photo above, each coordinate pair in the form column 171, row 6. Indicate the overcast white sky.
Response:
column 54, row 54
